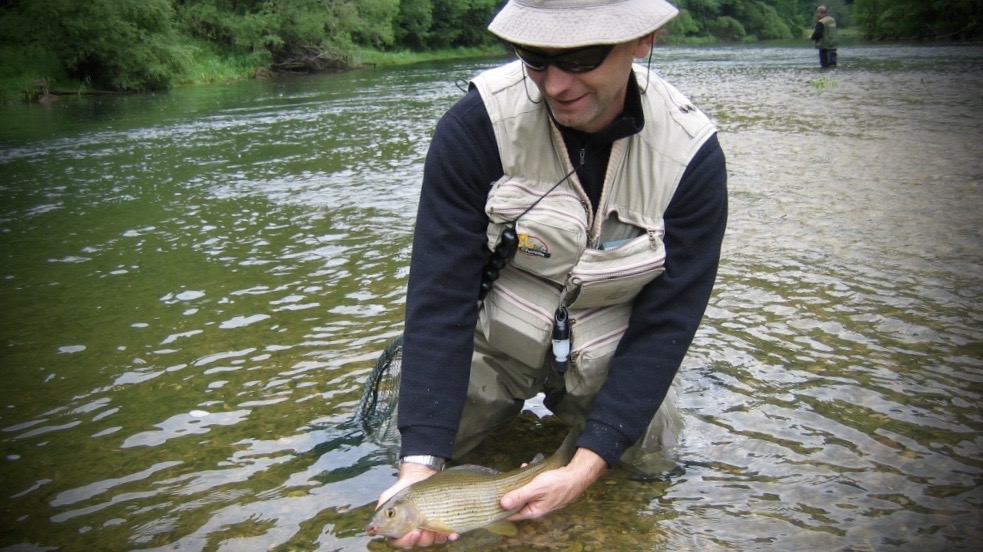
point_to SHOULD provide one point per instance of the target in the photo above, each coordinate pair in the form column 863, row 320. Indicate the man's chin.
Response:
column 570, row 117
column 569, row 120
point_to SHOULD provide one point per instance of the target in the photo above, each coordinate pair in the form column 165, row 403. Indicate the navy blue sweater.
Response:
column 449, row 251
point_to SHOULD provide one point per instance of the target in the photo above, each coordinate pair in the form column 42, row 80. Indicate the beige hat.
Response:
column 573, row 23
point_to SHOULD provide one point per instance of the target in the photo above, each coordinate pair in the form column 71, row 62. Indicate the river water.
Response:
column 195, row 285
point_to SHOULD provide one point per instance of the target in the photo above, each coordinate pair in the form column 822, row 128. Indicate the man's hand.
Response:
column 554, row 489
column 408, row 475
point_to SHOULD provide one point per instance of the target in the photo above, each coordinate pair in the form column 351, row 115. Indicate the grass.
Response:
column 27, row 73
column 206, row 64
column 368, row 57
column 825, row 81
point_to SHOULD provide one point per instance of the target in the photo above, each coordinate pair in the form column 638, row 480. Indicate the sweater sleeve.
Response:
column 449, row 252
column 667, row 312
column 817, row 32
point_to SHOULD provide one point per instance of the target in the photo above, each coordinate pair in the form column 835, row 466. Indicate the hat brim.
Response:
column 571, row 24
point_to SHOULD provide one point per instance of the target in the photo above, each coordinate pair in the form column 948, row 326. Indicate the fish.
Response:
column 462, row 498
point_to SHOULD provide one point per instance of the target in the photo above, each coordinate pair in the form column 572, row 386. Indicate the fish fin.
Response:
column 471, row 468
column 438, row 527
column 537, row 459
column 504, row 528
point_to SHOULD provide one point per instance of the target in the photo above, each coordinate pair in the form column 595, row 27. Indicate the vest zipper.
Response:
column 611, row 337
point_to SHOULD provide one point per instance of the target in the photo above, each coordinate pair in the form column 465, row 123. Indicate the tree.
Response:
column 728, row 29
column 920, row 19
column 120, row 44
column 413, row 23
column 757, row 19
column 306, row 35
column 460, row 23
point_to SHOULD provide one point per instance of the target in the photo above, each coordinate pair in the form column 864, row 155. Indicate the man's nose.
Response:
column 556, row 81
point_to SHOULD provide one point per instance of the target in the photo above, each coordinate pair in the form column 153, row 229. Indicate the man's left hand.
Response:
column 554, row 489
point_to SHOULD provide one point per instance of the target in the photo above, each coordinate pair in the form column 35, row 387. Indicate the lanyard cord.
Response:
column 548, row 192
column 509, row 239
column 584, row 156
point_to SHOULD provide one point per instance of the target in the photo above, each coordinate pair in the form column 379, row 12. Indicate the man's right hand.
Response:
column 408, row 475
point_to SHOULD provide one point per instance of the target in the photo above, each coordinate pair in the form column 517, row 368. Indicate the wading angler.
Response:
column 566, row 243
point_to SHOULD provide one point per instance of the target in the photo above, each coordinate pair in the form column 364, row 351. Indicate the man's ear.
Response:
column 645, row 44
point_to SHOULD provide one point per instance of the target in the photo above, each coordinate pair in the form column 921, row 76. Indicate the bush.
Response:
column 118, row 44
column 728, row 29
column 943, row 19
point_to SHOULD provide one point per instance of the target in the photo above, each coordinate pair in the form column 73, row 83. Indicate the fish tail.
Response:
column 569, row 445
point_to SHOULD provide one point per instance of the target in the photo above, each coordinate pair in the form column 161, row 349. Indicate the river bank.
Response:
column 34, row 81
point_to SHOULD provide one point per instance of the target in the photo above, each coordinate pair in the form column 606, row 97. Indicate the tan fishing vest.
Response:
column 594, row 263
column 830, row 39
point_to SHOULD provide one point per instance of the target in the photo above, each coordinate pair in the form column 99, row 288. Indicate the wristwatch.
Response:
column 433, row 462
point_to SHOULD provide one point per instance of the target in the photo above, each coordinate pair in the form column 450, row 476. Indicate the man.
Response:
column 825, row 37
column 602, row 190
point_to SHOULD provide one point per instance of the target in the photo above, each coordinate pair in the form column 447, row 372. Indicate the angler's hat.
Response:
column 573, row 23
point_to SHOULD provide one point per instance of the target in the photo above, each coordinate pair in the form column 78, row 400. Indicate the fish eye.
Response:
column 391, row 512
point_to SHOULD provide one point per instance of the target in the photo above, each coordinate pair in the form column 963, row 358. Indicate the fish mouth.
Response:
column 372, row 530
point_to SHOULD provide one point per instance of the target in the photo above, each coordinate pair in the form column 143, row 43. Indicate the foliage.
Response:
column 683, row 25
column 920, row 19
column 736, row 20
column 278, row 30
column 824, row 82
column 413, row 23
column 428, row 24
column 728, row 29
column 123, row 44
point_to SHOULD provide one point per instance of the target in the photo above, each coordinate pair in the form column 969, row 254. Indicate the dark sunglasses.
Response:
column 578, row 60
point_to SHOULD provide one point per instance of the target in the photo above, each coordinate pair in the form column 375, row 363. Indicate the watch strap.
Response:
column 433, row 462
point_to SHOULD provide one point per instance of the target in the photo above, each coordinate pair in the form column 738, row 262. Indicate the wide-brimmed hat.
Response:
column 573, row 23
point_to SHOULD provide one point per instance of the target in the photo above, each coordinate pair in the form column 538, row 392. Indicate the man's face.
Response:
column 591, row 100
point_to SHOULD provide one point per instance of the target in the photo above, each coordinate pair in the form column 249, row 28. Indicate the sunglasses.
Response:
column 578, row 60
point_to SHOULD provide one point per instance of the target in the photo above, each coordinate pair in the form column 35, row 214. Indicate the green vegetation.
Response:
column 824, row 82
column 920, row 19
column 703, row 21
column 133, row 45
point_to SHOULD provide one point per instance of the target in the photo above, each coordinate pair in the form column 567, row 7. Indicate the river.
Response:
column 195, row 286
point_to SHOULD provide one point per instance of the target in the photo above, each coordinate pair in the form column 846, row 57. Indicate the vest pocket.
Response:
column 612, row 276
column 596, row 334
column 552, row 233
column 517, row 316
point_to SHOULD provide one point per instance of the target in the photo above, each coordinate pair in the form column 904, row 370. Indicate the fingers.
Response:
column 547, row 492
column 408, row 540
column 415, row 539
column 513, row 499
column 531, row 504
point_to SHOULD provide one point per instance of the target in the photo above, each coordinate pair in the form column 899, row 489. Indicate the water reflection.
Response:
column 196, row 284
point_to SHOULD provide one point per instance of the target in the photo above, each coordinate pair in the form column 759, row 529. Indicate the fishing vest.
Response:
column 594, row 263
column 830, row 39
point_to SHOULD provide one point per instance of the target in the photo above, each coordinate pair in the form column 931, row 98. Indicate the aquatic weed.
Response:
column 824, row 82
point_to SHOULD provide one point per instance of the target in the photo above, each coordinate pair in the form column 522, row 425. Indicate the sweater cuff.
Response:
column 604, row 440
column 436, row 441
